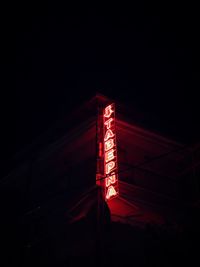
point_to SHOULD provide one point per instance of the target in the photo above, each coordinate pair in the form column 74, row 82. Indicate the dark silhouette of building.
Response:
column 53, row 212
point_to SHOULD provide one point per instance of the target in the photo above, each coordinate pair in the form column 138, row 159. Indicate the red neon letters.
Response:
column 110, row 167
column 111, row 192
column 108, row 111
column 110, row 153
column 108, row 134
column 109, row 144
column 110, row 180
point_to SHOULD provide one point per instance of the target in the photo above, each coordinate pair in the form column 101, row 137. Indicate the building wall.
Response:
column 68, row 162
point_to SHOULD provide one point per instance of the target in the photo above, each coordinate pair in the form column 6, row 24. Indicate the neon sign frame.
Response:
column 110, row 153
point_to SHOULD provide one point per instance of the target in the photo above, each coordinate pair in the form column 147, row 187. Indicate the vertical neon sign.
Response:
column 110, row 153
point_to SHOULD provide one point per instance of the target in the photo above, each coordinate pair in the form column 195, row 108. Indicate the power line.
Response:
column 149, row 161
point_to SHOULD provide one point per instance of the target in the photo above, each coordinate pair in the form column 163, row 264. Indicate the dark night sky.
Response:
column 55, row 57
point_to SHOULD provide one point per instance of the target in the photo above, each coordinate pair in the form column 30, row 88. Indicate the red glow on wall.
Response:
column 110, row 152
column 100, row 150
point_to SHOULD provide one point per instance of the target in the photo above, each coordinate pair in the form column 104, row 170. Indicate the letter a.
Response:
column 111, row 192
column 108, row 134
column 108, row 123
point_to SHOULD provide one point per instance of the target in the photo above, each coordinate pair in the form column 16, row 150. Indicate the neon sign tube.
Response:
column 110, row 153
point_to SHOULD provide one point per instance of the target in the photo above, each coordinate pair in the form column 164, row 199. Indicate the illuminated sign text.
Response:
column 110, row 153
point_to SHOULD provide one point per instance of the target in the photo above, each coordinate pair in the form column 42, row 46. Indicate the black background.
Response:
column 55, row 57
